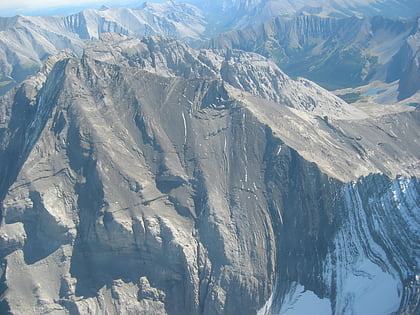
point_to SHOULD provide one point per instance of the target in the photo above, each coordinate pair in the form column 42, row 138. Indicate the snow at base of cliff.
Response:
column 373, row 268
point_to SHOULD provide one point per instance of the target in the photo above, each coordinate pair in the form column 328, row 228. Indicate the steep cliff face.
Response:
column 139, row 180
column 369, row 265
column 131, row 207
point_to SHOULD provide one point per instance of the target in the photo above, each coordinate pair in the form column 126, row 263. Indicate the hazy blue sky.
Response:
column 36, row 7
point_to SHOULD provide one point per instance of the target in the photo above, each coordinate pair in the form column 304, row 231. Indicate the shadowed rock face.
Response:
column 141, row 179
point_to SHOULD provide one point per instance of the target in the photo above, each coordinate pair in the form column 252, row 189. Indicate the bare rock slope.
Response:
column 149, row 178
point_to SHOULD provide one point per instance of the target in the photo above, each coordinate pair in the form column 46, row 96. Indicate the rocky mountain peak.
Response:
column 148, row 177
column 244, row 70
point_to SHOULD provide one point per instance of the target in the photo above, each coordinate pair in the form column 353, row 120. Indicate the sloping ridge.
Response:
column 149, row 187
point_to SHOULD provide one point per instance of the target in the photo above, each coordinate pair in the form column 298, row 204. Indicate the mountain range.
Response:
column 26, row 42
column 336, row 53
column 149, row 178
column 239, row 14
column 147, row 167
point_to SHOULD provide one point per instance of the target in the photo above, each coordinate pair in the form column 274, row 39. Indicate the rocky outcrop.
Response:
column 133, row 183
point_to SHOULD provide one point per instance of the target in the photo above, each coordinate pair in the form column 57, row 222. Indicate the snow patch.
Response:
column 185, row 128
column 299, row 301
column 372, row 290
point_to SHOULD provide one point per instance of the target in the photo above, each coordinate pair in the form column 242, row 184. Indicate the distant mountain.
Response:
column 407, row 65
column 26, row 42
column 336, row 53
column 239, row 14
column 146, row 177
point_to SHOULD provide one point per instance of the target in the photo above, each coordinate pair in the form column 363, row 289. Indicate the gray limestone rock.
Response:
column 142, row 178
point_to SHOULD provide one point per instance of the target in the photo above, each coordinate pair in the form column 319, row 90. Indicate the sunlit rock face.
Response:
column 149, row 178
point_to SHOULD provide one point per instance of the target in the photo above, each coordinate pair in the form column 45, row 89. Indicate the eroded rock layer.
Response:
column 143, row 178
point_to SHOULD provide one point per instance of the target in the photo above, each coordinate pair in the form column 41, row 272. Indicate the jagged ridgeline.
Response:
column 27, row 41
column 336, row 53
column 145, row 177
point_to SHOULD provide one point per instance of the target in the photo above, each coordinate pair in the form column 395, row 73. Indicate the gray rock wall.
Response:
column 130, row 186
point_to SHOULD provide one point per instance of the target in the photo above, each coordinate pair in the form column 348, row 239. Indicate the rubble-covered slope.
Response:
column 139, row 180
